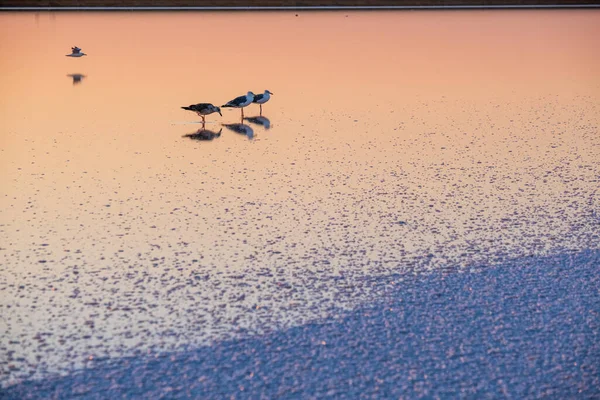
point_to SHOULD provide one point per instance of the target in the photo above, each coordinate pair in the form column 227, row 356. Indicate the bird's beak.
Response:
column 220, row 113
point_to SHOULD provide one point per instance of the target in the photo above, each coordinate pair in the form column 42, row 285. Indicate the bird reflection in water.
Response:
column 260, row 120
column 76, row 78
column 203, row 134
column 242, row 129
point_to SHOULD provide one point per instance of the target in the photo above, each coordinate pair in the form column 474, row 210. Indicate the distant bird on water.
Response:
column 240, row 102
column 262, row 99
column 76, row 52
column 203, row 109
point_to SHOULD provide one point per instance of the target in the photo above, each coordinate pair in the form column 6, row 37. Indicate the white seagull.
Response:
column 240, row 102
column 262, row 99
column 76, row 52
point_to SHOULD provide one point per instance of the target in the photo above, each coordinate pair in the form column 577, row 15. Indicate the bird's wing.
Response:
column 201, row 106
column 258, row 97
column 238, row 100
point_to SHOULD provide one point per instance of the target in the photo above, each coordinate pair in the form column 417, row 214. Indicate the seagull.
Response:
column 241, row 129
column 203, row 134
column 76, row 52
column 262, row 99
column 203, row 109
column 76, row 78
column 240, row 102
column 260, row 120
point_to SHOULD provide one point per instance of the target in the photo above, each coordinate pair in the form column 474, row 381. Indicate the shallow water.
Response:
column 397, row 142
column 525, row 329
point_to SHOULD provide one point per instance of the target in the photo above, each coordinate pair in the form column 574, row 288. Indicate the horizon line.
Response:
column 298, row 8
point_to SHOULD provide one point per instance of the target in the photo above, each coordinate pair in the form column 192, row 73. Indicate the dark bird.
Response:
column 203, row 134
column 203, row 109
column 240, row 102
column 262, row 99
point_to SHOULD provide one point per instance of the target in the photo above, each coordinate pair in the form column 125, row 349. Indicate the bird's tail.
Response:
column 226, row 105
column 187, row 108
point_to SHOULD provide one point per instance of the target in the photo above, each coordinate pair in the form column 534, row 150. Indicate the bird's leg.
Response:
column 260, row 109
column 242, row 113
column 203, row 120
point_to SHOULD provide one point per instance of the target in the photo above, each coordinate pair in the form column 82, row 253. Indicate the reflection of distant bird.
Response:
column 262, row 99
column 76, row 52
column 240, row 102
column 203, row 109
column 203, row 134
column 262, row 121
column 76, row 78
column 241, row 129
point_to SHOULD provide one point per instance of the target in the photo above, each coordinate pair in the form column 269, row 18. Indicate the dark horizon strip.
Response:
column 303, row 8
